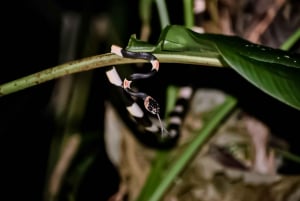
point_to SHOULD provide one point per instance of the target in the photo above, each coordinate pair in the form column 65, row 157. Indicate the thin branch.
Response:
column 98, row 61
column 163, row 13
column 291, row 40
column 188, row 13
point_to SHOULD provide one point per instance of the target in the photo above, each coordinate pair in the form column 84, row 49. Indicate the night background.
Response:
column 33, row 40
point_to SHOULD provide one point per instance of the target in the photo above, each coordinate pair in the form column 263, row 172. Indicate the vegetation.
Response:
column 74, row 138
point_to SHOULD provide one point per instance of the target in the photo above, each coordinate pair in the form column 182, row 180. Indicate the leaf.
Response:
column 274, row 71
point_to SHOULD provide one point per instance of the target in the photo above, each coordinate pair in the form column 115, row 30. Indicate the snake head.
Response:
column 151, row 105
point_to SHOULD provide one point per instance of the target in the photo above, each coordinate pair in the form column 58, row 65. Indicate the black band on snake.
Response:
column 138, row 55
column 150, row 103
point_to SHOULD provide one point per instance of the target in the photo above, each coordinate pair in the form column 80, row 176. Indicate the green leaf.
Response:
column 274, row 71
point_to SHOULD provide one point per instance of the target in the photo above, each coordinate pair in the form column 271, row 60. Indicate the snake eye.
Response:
column 151, row 105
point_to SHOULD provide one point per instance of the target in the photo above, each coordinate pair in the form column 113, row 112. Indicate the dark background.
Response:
column 30, row 43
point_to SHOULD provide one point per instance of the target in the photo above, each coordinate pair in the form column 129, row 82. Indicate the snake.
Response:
column 175, row 116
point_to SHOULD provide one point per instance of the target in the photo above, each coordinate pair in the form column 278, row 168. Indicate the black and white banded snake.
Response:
column 144, row 121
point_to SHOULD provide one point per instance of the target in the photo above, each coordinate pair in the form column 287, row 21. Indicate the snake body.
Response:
column 175, row 117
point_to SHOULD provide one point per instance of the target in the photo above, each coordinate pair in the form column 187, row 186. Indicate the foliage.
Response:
column 274, row 71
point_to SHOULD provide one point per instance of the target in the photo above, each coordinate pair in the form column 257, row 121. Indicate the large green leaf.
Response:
column 274, row 71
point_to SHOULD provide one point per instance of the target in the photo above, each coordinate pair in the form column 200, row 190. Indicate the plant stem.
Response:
column 97, row 61
column 188, row 13
column 159, row 163
column 288, row 155
column 193, row 147
column 163, row 13
column 291, row 40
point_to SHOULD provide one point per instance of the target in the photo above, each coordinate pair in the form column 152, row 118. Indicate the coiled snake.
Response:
column 175, row 117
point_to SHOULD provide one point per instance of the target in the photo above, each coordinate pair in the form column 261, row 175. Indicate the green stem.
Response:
column 154, row 176
column 194, row 146
column 188, row 13
column 145, row 10
column 97, row 61
column 163, row 13
column 288, row 155
column 291, row 40
column 161, row 155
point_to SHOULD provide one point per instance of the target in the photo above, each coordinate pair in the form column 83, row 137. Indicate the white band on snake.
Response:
column 150, row 104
